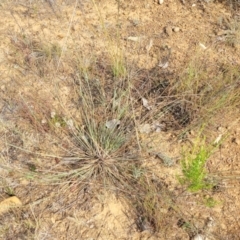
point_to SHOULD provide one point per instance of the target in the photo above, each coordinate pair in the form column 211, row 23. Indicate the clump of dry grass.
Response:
column 204, row 92
column 102, row 142
column 36, row 55
column 230, row 33
column 234, row 4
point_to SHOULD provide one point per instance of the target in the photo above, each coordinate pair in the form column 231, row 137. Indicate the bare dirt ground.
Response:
column 40, row 84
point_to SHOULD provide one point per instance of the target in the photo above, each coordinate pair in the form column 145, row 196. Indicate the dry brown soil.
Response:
column 87, row 30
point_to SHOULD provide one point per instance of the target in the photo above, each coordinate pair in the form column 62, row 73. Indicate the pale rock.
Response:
column 44, row 121
column 112, row 124
column 53, row 114
column 149, row 46
column 70, row 123
column 145, row 128
column 220, row 129
column 202, row 46
column 58, row 124
column 198, row 237
column 145, row 104
column 218, row 139
column 9, row 203
column 163, row 65
column 3, row 88
column 176, row 29
column 169, row 31
column 134, row 39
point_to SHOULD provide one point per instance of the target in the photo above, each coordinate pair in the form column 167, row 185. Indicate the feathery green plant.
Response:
column 194, row 166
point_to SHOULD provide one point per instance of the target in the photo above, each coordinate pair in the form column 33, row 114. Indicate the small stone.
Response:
column 209, row 222
column 198, row 237
column 176, row 29
column 91, row 226
column 149, row 46
column 218, row 139
column 163, row 210
column 160, row 2
column 135, row 22
column 58, row 124
column 163, row 65
column 158, row 127
column 8, row 203
column 168, row 30
column 134, row 39
column 53, row 114
column 145, row 104
column 53, row 220
column 44, row 121
column 3, row 88
column 145, row 128
column 70, row 123
column 191, row 132
column 112, row 124
column 202, row 46
column 220, row 129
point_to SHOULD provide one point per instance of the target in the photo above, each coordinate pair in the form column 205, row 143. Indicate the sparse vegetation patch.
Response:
column 101, row 112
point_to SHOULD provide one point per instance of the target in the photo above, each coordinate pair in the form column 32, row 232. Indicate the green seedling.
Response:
column 57, row 121
column 194, row 166
column 9, row 191
column 210, row 202
column 194, row 171
column 118, row 66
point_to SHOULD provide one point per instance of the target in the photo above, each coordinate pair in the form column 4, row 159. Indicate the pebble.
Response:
column 145, row 128
column 176, row 29
column 202, row 46
column 218, row 139
column 198, row 237
column 134, row 39
column 3, row 88
column 112, row 124
column 9, row 203
column 163, row 65
column 220, row 129
column 168, row 30
column 58, row 124
column 53, row 114
column 191, row 132
column 160, row 2
column 135, row 22
column 44, row 121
